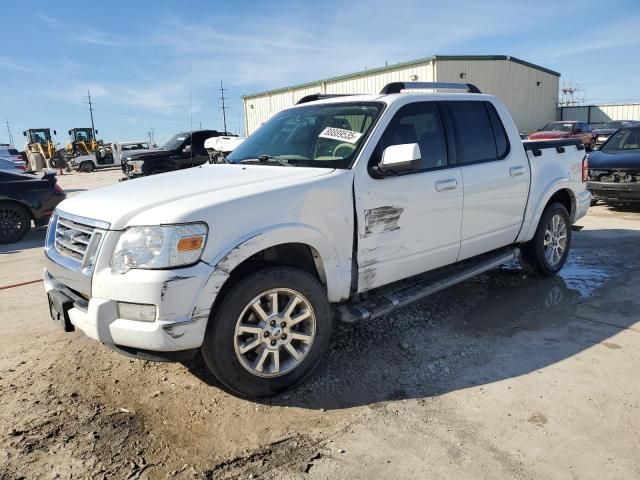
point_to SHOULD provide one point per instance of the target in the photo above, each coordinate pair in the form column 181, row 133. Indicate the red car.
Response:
column 570, row 129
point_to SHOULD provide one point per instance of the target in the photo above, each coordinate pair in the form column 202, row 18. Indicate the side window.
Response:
column 419, row 123
column 502, row 141
column 473, row 131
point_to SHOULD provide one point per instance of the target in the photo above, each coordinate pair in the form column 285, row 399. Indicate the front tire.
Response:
column 269, row 332
column 546, row 253
column 15, row 222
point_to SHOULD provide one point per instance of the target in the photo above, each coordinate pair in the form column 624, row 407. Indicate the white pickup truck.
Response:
column 340, row 208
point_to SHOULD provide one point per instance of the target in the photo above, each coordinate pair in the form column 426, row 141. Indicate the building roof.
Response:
column 396, row 66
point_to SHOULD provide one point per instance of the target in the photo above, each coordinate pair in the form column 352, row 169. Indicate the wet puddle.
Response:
column 517, row 301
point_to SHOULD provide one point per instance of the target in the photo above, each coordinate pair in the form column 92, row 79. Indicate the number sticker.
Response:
column 340, row 134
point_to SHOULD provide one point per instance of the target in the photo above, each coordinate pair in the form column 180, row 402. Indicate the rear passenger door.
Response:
column 495, row 176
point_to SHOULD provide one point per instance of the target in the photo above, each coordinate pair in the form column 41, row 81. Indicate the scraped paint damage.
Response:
column 382, row 219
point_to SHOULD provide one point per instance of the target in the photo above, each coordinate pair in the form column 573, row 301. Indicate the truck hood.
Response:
column 620, row 159
column 146, row 154
column 604, row 131
column 204, row 185
column 548, row 135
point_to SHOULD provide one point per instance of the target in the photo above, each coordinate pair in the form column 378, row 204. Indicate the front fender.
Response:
column 338, row 278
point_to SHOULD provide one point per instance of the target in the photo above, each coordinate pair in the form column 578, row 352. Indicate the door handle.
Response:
column 516, row 171
column 446, row 185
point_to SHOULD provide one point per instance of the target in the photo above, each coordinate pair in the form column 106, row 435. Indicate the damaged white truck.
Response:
column 342, row 208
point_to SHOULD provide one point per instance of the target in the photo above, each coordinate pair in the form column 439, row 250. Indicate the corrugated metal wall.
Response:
column 532, row 105
column 601, row 113
column 259, row 109
column 516, row 85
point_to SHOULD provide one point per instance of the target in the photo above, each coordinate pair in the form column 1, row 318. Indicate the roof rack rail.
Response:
column 397, row 87
column 321, row 96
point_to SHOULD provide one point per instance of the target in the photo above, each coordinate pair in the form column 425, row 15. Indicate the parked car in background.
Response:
column 604, row 131
column 183, row 150
column 9, row 153
column 321, row 214
column 12, row 166
column 219, row 147
column 614, row 169
column 26, row 197
column 571, row 129
column 120, row 149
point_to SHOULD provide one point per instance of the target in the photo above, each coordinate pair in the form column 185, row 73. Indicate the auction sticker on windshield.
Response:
column 340, row 134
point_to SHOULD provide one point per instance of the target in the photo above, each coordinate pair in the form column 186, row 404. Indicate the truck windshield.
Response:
column 174, row 142
column 327, row 135
column 623, row 139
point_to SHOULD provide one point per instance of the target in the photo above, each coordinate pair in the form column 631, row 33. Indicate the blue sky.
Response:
column 159, row 64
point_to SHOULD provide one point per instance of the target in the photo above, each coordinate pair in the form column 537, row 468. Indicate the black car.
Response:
column 604, row 131
column 25, row 197
column 614, row 170
column 183, row 150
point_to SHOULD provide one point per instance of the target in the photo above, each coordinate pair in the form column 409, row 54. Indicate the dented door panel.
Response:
column 407, row 225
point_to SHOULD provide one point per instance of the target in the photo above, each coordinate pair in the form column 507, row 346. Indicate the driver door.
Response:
column 409, row 223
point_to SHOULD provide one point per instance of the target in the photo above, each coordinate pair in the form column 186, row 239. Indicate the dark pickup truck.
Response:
column 183, row 150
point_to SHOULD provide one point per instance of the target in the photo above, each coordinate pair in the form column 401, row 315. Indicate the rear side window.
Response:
column 502, row 142
column 473, row 132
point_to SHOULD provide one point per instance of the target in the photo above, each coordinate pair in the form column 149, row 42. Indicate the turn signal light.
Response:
column 585, row 169
column 190, row 243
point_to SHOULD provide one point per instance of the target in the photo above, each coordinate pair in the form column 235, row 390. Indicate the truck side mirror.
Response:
column 400, row 158
column 96, row 132
column 24, row 133
column 55, row 133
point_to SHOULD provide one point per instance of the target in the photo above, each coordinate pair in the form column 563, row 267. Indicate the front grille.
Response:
column 72, row 238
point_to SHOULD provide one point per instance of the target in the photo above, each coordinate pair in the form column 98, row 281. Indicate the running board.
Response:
column 384, row 300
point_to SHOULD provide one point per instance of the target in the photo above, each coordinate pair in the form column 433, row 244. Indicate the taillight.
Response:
column 21, row 167
column 58, row 188
column 585, row 169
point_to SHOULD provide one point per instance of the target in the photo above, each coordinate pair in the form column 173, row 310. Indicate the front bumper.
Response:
column 615, row 192
column 98, row 319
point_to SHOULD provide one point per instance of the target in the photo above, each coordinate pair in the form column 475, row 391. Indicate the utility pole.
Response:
column 9, row 133
column 200, row 125
column 224, row 109
column 93, row 128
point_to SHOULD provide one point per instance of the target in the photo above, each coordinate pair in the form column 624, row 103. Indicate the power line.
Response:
column 9, row 133
column 93, row 128
column 224, row 109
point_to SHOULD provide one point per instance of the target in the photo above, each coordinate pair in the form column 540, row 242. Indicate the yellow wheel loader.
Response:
column 83, row 142
column 40, row 149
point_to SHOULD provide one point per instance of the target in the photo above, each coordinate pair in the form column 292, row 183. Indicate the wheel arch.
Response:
column 287, row 245
column 560, row 192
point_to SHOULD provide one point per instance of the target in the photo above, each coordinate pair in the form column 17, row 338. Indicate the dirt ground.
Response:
column 503, row 376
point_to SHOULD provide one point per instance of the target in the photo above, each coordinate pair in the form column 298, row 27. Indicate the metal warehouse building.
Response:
column 529, row 91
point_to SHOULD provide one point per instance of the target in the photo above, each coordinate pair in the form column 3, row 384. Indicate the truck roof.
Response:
column 394, row 91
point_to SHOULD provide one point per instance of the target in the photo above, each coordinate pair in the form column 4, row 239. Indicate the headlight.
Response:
column 137, row 165
column 158, row 247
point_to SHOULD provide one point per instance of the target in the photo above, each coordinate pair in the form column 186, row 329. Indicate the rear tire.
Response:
column 546, row 253
column 262, row 352
column 15, row 222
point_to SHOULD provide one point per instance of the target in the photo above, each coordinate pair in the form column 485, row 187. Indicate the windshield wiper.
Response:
column 267, row 159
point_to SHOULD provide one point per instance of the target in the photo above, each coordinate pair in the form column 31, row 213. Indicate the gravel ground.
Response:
column 503, row 376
